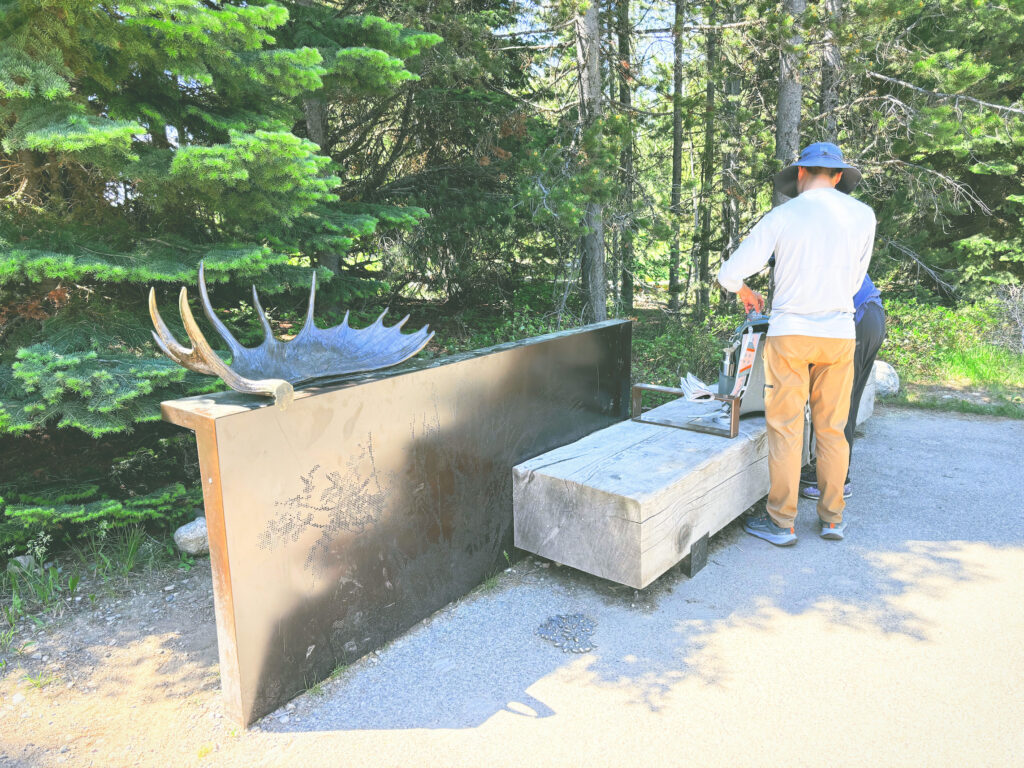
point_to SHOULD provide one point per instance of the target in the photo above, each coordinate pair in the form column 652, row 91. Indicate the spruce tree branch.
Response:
column 885, row 98
column 940, row 96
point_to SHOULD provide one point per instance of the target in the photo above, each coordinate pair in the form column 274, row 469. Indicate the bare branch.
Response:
column 525, row 32
column 932, row 272
column 961, row 192
column 634, row 110
column 700, row 27
column 939, row 96
column 533, row 47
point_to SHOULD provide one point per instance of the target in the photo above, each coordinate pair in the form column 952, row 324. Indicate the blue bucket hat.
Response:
column 821, row 155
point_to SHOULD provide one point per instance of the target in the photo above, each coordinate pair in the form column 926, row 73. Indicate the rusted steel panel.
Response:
column 364, row 507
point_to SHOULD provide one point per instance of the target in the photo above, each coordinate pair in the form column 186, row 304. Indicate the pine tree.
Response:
column 137, row 140
column 950, row 169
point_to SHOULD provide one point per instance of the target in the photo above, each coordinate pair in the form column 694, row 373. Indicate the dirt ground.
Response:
column 976, row 396
column 128, row 679
column 132, row 679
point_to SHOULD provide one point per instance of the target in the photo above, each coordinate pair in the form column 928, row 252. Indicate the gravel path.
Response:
column 903, row 645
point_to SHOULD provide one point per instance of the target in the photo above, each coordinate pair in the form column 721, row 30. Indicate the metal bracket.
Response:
column 693, row 426
column 698, row 557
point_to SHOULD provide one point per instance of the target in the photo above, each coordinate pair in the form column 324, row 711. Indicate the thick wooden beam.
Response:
column 628, row 502
column 632, row 500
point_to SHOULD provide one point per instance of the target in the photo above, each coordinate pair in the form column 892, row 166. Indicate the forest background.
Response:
column 496, row 168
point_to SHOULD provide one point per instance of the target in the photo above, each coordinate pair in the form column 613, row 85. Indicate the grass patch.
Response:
column 954, row 360
column 984, row 365
column 34, row 589
column 488, row 584
column 103, row 560
column 41, row 680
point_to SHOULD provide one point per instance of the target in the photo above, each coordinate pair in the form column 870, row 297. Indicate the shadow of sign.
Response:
column 364, row 507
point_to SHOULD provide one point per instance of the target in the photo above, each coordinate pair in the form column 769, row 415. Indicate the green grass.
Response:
column 488, row 584
column 27, row 591
column 105, row 557
column 983, row 365
column 119, row 552
column 954, row 359
column 41, row 680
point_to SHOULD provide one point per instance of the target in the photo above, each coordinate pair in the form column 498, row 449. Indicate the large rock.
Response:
column 192, row 538
column 21, row 562
column 887, row 381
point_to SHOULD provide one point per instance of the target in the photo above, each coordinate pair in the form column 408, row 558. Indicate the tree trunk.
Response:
column 610, row 91
column 730, row 182
column 677, row 157
column 316, row 121
column 314, row 107
column 707, row 172
column 787, row 120
column 588, row 41
column 615, row 265
column 831, row 70
column 624, row 32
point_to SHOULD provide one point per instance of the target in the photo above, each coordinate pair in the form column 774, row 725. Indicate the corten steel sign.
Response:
column 362, row 508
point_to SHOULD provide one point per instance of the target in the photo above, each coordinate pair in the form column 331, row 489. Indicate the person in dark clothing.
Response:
column 869, row 318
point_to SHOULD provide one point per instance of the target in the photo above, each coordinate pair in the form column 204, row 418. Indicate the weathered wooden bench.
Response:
column 630, row 501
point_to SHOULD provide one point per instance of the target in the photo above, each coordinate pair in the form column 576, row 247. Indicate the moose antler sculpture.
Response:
column 276, row 367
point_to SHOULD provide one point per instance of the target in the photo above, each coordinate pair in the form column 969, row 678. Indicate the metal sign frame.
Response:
column 694, row 426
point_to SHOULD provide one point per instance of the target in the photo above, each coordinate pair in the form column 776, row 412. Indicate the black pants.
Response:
column 870, row 335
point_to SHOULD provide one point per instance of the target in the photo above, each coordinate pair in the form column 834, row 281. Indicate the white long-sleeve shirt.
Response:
column 822, row 241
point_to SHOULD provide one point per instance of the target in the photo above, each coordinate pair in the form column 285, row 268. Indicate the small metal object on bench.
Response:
column 695, row 424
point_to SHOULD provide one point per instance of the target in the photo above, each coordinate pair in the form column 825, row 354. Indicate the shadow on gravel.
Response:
column 933, row 494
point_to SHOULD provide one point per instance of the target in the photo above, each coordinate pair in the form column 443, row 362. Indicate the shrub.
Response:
column 934, row 344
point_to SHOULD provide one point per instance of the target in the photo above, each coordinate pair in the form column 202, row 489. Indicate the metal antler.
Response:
column 275, row 367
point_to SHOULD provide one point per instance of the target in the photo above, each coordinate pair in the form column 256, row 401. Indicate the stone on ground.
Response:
column 24, row 562
column 887, row 381
column 191, row 538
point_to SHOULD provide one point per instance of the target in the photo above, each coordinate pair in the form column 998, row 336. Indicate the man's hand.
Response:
column 751, row 299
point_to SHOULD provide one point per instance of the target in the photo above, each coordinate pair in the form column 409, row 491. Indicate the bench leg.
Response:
column 697, row 558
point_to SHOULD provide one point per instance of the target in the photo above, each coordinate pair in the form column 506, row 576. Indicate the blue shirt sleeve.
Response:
column 867, row 294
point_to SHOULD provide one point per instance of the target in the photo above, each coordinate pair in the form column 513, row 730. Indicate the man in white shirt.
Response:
column 822, row 241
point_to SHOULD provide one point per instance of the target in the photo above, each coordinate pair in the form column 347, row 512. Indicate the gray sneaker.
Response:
column 765, row 528
column 833, row 531
column 813, row 492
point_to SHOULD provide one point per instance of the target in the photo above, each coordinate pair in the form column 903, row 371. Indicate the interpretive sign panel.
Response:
column 363, row 507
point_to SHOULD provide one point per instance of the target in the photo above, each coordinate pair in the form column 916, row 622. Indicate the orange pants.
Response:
column 796, row 367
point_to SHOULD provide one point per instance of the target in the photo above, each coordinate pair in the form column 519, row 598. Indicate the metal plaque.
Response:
column 364, row 507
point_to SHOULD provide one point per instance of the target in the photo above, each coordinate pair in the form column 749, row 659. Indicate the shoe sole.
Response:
column 832, row 534
column 778, row 540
